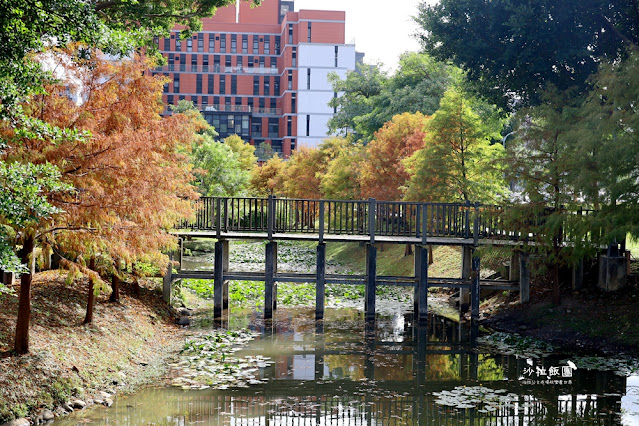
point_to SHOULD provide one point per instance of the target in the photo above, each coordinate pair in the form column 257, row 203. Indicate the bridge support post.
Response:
column 270, row 290
column 466, row 272
column 320, row 286
column 421, row 283
column 524, row 278
column 474, row 288
column 513, row 271
column 167, row 281
column 219, row 285
column 371, row 273
column 578, row 275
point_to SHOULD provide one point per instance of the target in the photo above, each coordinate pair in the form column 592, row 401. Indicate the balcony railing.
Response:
column 216, row 68
column 239, row 108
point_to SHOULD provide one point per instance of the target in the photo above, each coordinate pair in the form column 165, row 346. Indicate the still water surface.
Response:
column 346, row 371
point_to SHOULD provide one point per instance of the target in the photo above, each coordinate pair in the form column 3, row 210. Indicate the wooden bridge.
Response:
column 368, row 222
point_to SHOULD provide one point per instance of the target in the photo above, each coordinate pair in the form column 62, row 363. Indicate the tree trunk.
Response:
column 21, row 344
column 556, row 293
column 408, row 250
column 115, row 283
column 91, row 297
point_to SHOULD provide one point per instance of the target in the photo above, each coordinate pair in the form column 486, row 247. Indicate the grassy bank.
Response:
column 123, row 347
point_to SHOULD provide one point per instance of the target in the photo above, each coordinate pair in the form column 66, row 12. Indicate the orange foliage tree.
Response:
column 383, row 175
column 131, row 175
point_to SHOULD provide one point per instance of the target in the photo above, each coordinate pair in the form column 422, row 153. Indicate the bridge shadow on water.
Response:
column 344, row 370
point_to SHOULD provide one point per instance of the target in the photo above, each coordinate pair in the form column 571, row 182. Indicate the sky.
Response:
column 381, row 30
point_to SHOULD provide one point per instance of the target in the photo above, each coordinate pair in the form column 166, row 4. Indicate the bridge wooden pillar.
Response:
column 466, row 274
column 270, row 288
column 220, row 286
column 524, row 278
column 474, row 288
column 320, row 281
column 371, row 278
column 421, row 283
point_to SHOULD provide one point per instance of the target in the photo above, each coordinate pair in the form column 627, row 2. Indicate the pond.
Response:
column 348, row 371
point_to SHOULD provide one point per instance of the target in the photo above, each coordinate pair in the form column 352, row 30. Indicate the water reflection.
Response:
column 347, row 371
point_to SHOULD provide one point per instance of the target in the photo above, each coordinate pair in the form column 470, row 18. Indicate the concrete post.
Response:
column 320, row 281
column 269, row 281
column 513, row 272
column 612, row 272
column 524, row 278
column 8, row 278
column 371, row 273
column 167, row 281
column 578, row 275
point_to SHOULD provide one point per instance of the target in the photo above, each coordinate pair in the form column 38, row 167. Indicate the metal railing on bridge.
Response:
column 368, row 218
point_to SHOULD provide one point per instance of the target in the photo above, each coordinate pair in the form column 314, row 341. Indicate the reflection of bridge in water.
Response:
column 336, row 379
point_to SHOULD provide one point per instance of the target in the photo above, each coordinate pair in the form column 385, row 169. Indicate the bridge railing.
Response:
column 361, row 218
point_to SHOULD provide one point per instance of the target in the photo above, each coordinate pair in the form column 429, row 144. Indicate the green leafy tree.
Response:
column 511, row 49
column 245, row 151
column 341, row 179
column 219, row 170
column 459, row 161
column 371, row 98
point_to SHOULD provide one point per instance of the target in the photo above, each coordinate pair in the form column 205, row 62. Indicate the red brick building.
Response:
column 261, row 72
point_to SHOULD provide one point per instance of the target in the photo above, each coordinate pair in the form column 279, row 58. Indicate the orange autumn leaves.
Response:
column 131, row 175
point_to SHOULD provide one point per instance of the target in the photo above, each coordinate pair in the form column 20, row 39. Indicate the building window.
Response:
column 182, row 62
column 245, row 125
column 233, row 43
column 205, row 63
column 290, row 33
column 227, row 62
column 256, row 128
column 273, row 103
column 276, row 86
column 222, row 84
column 256, row 45
column 178, row 43
column 200, row 42
column 193, row 63
column 262, row 103
column 308, row 79
column 309, row 32
column 336, row 55
column 171, row 62
column 176, row 83
column 198, row 83
column 211, row 43
column 205, row 102
column 233, row 85
column 189, row 45
column 294, row 103
column 267, row 86
column 294, row 56
column 211, row 88
column 167, row 44
column 262, row 61
column 223, row 43
column 308, row 125
column 273, row 62
column 290, row 80
column 277, row 45
column 273, row 128
column 256, row 85
column 267, row 45
column 169, row 99
column 289, row 126
column 244, row 43
column 216, row 63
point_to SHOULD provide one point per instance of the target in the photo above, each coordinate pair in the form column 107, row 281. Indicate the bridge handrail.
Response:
column 369, row 218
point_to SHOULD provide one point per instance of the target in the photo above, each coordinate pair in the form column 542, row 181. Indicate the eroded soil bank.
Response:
column 124, row 347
